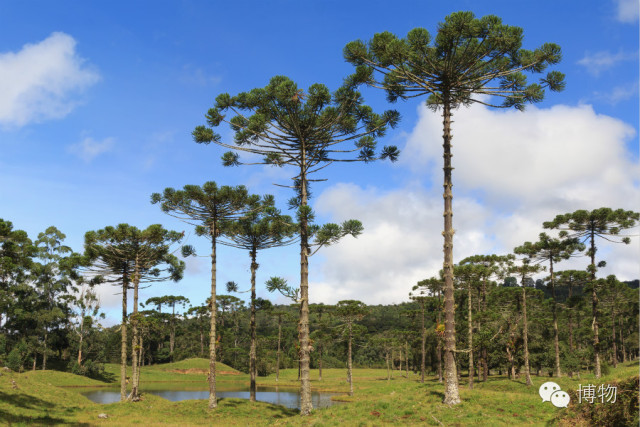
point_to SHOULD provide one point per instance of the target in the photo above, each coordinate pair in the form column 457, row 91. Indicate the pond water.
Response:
column 276, row 395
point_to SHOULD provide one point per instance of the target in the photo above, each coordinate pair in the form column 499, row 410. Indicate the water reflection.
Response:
column 287, row 397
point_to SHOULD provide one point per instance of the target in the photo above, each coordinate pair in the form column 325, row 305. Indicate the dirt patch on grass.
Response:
column 202, row 371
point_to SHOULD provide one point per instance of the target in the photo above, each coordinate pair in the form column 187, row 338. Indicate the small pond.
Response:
column 277, row 395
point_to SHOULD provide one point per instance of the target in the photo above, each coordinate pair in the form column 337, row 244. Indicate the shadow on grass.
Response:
column 439, row 394
column 25, row 401
column 106, row 377
column 280, row 411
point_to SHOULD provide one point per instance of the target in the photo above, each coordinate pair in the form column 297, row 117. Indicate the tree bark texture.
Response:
column 349, row 365
column 525, row 335
column 471, row 369
column 451, row 394
column 252, row 327
column 305, row 382
column 556, row 340
column 594, row 309
column 123, row 344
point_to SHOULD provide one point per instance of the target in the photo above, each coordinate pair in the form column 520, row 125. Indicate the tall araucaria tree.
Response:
column 263, row 229
column 585, row 226
column 469, row 61
column 308, row 131
column 205, row 208
column 552, row 250
column 127, row 256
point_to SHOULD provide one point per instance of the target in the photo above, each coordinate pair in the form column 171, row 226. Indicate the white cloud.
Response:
column 89, row 148
column 628, row 10
column 513, row 172
column 38, row 82
column 196, row 76
column 597, row 62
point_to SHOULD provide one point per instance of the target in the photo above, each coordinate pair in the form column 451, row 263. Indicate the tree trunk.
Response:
column 556, row 341
column 213, row 402
column 624, row 353
column 320, row 362
column 80, row 347
column 123, row 344
column 525, row 334
column 451, row 394
column 470, row 337
column 278, row 354
column 439, row 346
column 594, row 309
column 172, row 332
column 406, row 358
column 201, row 343
column 305, row 382
column 388, row 366
column 613, row 327
column 485, row 353
column 44, row 353
column 252, row 328
column 135, row 349
column 35, row 360
column 349, row 373
column 423, row 349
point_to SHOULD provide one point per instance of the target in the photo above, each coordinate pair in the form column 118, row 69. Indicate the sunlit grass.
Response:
column 376, row 401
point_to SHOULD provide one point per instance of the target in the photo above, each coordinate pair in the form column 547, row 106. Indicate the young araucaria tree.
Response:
column 469, row 61
column 127, row 256
column 259, row 230
column 585, row 226
column 307, row 131
column 350, row 311
column 552, row 250
column 205, row 208
column 525, row 269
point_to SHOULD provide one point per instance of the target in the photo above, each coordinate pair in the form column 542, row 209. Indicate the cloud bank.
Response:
column 513, row 171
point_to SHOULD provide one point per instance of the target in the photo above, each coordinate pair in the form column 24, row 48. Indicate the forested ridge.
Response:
column 51, row 319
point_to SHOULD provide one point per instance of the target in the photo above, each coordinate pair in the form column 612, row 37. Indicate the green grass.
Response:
column 376, row 401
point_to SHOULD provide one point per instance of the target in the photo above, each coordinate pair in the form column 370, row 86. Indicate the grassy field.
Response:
column 37, row 398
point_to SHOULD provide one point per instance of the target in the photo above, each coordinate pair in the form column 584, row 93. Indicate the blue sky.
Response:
column 99, row 100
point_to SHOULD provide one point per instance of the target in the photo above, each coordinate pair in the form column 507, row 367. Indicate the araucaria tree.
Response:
column 585, row 226
column 308, row 131
column 350, row 311
column 469, row 61
column 259, row 230
column 127, row 256
column 205, row 208
column 552, row 250
column 525, row 270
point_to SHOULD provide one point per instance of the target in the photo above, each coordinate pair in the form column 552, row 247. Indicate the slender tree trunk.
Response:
column 451, row 394
column 320, row 362
column 613, row 335
column 470, row 337
column 406, row 358
column 388, row 365
column 201, row 343
column 556, row 341
column 123, row 349
column 213, row 402
column 624, row 353
column 570, row 322
column 349, row 365
column 35, row 360
column 172, row 332
column 44, row 353
column 594, row 309
column 305, row 382
column 80, row 345
column 278, row 354
column 439, row 346
column 525, row 334
column 423, row 349
column 485, row 353
column 252, row 327
column 135, row 349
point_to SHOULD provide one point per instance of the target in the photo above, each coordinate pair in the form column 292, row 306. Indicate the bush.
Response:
column 89, row 369
column 624, row 412
column 17, row 357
